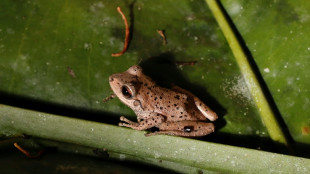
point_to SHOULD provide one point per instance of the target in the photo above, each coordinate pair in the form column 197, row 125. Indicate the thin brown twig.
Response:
column 127, row 33
column 27, row 153
column 190, row 63
column 71, row 72
column 162, row 34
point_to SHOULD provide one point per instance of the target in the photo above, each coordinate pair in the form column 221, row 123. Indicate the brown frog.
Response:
column 173, row 111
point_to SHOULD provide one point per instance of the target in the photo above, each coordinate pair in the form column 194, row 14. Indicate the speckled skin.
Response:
column 174, row 111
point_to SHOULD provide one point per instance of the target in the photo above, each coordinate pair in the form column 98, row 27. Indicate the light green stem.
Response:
column 266, row 113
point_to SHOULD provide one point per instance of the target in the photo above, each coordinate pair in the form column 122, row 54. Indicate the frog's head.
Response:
column 125, row 85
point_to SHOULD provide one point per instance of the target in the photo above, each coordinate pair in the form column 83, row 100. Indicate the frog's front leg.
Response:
column 202, row 107
column 185, row 129
column 143, row 124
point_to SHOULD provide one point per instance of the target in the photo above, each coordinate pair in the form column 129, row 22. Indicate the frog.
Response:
column 173, row 111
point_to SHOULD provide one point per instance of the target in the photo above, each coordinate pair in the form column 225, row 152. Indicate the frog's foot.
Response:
column 127, row 123
column 142, row 125
column 124, row 119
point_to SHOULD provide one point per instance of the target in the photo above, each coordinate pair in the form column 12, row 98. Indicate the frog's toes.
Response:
column 122, row 124
column 122, row 118
column 148, row 134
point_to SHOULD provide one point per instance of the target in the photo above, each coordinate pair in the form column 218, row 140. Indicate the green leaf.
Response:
column 42, row 39
column 252, row 82
column 43, row 43
column 276, row 33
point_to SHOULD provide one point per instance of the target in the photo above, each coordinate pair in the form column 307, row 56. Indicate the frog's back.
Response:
column 174, row 105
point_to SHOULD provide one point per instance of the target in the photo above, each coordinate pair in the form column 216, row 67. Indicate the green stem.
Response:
column 266, row 113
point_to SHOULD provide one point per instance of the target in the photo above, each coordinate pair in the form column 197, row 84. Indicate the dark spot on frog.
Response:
column 177, row 97
column 188, row 128
column 180, row 116
column 177, row 108
column 172, row 115
column 175, row 104
column 145, row 84
column 181, row 112
column 160, row 97
column 161, row 108
column 155, row 98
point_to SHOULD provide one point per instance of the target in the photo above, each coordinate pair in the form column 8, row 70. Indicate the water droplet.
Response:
column 87, row 46
column 122, row 156
column 267, row 70
column 257, row 132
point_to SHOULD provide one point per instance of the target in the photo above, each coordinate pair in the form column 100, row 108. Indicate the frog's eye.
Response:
column 128, row 91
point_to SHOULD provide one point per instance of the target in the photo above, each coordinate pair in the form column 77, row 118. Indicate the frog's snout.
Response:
column 111, row 79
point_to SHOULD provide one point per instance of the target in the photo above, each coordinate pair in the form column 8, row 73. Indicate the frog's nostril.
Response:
column 111, row 79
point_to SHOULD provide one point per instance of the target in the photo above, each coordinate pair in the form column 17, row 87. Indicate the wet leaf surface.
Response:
column 276, row 34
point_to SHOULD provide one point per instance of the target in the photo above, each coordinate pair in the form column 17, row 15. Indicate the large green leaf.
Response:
column 276, row 33
column 41, row 40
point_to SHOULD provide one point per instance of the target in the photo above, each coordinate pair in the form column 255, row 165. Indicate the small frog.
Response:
column 173, row 111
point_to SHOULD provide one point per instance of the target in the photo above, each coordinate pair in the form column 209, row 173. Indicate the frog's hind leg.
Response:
column 185, row 129
column 180, row 133
column 202, row 107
